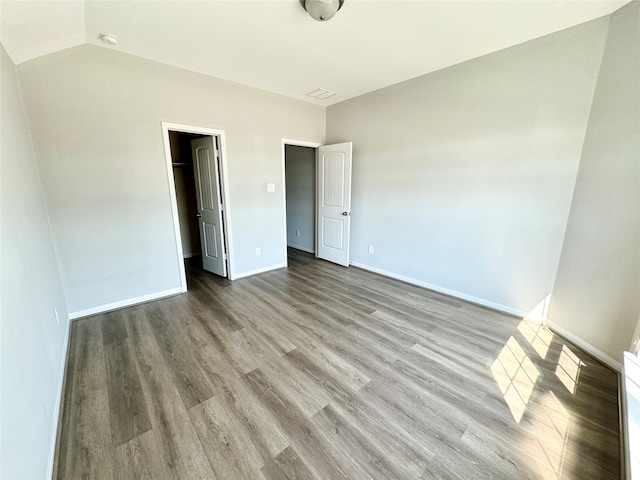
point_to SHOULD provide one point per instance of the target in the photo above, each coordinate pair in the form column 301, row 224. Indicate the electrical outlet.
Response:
column 297, row 233
column 55, row 312
column 258, row 251
column 371, row 249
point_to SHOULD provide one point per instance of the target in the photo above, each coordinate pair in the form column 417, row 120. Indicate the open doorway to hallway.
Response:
column 300, row 181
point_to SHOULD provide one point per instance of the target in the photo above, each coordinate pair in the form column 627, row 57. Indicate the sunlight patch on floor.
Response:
column 538, row 336
column 516, row 376
column 533, row 329
column 548, row 445
column 568, row 369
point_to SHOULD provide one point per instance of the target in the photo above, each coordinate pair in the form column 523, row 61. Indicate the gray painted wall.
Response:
column 463, row 178
column 301, row 201
column 597, row 291
column 96, row 119
column 32, row 342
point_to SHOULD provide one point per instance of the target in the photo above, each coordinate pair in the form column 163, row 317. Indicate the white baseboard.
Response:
column 586, row 346
column 124, row 303
column 304, row 249
column 259, row 270
column 452, row 293
column 57, row 409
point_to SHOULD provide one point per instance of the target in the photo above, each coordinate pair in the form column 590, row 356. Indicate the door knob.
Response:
column 345, row 213
column 198, row 215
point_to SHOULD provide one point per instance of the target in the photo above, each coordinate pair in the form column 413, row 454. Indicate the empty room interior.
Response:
column 320, row 239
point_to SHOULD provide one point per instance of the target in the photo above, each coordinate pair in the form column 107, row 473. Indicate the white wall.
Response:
column 301, row 204
column 33, row 344
column 462, row 179
column 96, row 118
column 597, row 291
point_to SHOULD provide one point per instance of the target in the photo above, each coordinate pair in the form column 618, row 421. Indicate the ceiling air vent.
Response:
column 321, row 94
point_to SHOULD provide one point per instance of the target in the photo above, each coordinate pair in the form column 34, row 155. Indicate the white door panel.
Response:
column 332, row 233
column 334, row 202
column 206, row 168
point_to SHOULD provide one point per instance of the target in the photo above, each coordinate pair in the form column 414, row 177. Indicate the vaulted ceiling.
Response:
column 277, row 46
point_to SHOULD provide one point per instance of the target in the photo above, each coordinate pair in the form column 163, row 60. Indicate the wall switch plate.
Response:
column 371, row 249
column 297, row 233
column 271, row 187
column 258, row 252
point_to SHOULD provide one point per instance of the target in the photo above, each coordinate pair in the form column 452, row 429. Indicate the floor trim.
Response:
column 586, row 346
column 124, row 303
column 452, row 293
column 57, row 410
column 260, row 270
column 304, row 249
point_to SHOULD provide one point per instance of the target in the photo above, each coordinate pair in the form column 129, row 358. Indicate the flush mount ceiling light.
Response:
column 322, row 10
column 109, row 38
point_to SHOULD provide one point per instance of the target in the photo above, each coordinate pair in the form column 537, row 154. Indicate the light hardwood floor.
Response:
column 322, row 372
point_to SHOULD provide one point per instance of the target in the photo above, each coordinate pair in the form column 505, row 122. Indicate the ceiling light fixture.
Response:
column 322, row 10
column 109, row 38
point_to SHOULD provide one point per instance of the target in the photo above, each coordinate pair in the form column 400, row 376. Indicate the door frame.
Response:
column 226, row 218
column 297, row 143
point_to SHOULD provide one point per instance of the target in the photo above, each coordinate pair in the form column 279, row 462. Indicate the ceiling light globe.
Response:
column 322, row 10
column 109, row 38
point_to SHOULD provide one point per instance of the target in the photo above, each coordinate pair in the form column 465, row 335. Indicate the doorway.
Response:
column 185, row 187
column 199, row 196
column 317, row 204
column 300, row 197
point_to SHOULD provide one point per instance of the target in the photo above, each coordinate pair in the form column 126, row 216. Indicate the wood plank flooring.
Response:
column 321, row 372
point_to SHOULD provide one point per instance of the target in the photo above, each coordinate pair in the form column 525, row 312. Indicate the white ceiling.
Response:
column 277, row 46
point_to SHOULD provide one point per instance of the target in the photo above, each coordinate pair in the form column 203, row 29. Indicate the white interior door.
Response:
column 334, row 203
column 206, row 165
